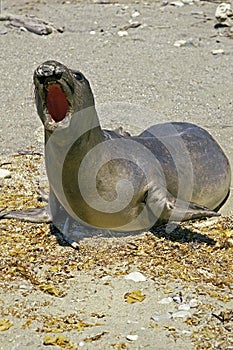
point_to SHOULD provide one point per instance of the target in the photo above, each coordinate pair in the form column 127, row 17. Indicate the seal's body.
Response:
column 100, row 178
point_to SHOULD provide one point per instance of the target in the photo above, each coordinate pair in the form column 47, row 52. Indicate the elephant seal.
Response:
column 108, row 180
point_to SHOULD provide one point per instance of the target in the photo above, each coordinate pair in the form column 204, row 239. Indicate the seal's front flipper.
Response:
column 38, row 215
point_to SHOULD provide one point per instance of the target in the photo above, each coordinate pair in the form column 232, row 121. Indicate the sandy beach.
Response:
column 55, row 297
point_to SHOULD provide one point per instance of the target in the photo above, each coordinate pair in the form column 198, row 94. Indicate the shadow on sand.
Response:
column 178, row 234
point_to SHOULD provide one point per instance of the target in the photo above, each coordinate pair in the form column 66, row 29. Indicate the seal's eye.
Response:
column 78, row 75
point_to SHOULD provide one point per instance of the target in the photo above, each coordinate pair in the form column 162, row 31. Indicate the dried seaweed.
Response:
column 5, row 325
column 134, row 296
column 60, row 341
column 196, row 252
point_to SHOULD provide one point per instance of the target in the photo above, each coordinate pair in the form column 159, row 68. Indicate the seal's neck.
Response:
column 84, row 131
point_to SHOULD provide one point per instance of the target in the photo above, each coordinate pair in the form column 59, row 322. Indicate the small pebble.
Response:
column 106, row 278
column 129, row 321
column 136, row 276
column 135, row 14
column 81, row 343
column 161, row 317
column 218, row 52
column 23, row 286
column 122, row 33
column 181, row 43
column 132, row 337
column 92, row 32
column 177, row 3
column 193, row 303
column 4, row 174
column 181, row 314
column 165, row 300
column 186, row 332
column 184, row 307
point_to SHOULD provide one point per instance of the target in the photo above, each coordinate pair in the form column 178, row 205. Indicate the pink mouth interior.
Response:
column 56, row 102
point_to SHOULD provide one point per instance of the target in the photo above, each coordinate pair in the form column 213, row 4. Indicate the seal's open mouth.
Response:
column 56, row 102
column 54, row 90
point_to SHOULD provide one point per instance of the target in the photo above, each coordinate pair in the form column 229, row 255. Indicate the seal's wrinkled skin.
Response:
column 104, row 179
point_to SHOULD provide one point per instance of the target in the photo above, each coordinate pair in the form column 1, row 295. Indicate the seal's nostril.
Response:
column 46, row 72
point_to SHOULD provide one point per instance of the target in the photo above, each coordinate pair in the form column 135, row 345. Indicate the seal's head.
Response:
column 59, row 93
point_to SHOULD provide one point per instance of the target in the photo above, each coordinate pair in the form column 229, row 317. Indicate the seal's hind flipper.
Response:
column 38, row 215
column 167, row 208
column 190, row 211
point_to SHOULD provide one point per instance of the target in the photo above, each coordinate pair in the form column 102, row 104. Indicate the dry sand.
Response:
column 48, row 289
